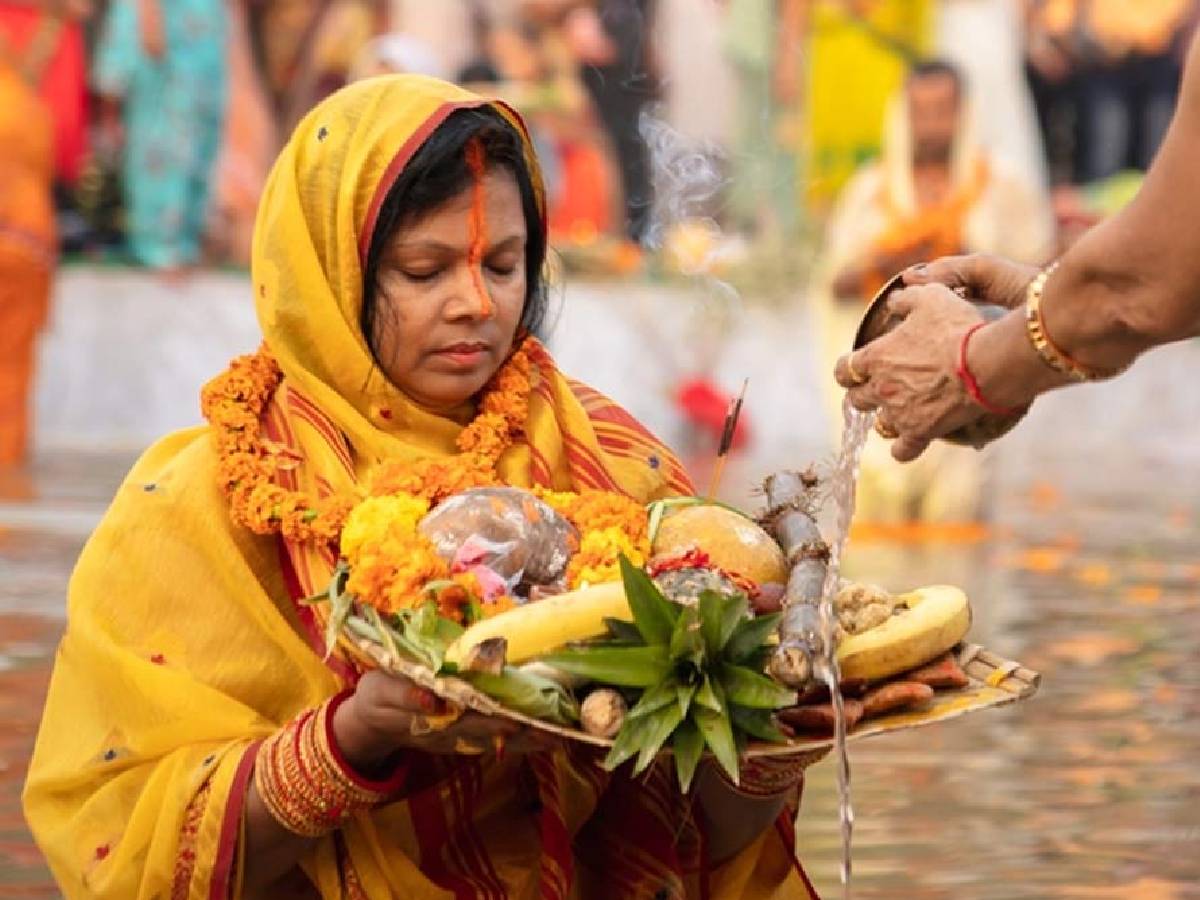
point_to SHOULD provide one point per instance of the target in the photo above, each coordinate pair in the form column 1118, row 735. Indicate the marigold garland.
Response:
column 235, row 401
column 392, row 565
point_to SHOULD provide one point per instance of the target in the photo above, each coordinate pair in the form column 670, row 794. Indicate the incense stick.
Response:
column 727, row 433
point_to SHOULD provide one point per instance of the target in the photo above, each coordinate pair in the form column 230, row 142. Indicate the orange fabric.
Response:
column 26, row 251
column 583, row 208
column 62, row 85
column 939, row 226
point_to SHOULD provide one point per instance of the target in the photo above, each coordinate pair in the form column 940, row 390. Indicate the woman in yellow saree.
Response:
column 396, row 270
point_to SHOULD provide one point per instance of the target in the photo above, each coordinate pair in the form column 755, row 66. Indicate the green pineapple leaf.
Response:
column 621, row 632
column 653, row 699
column 630, row 739
column 757, row 723
column 718, row 735
column 620, row 666
column 653, row 614
column 688, row 744
column 665, row 720
column 749, row 637
column 683, row 697
column 748, row 688
column 719, row 617
column 707, row 697
column 687, row 643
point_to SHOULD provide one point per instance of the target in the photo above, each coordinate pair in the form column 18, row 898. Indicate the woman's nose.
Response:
column 470, row 297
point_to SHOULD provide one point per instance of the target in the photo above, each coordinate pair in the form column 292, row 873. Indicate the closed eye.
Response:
column 422, row 277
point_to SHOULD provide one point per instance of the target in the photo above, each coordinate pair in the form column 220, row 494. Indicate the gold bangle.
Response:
column 305, row 784
column 1049, row 352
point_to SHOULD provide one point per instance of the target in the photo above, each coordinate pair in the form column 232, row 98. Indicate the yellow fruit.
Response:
column 544, row 625
column 732, row 542
column 933, row 620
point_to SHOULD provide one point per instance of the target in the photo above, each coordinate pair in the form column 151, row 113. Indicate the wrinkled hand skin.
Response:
column 910, row 372
column 985, row 278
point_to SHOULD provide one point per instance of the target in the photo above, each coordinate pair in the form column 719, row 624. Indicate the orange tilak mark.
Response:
column 478, row 166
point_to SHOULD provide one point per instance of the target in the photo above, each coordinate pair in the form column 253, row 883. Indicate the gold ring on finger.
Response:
column 466, row 748
column 855, row 377
column 885, row 430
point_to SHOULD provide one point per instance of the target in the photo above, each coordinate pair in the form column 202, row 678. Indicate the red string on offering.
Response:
column 968, row 379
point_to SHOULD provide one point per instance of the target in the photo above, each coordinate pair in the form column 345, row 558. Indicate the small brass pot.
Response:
column 878, row 320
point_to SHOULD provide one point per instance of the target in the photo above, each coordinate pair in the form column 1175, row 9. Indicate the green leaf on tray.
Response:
column 748, row 688
column 665, row 721
column 637, row 667
column 654, row 699
column 748, row 638
column 622, row 632
column 706, row 696
column 687, row 643
column 629, row 742
column 527, row 693
column 719, row 616
column 718, row 735
column 688, row 744
column 653, row 614
column 683, row 697
column 340, row 602
column 756, row 723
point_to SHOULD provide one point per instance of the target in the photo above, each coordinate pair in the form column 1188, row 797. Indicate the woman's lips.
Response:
column 463, row 356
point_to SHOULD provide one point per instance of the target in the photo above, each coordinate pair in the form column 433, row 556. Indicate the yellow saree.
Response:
column 186, row 647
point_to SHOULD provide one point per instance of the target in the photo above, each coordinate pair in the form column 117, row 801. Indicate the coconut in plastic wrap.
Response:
column 508, row 531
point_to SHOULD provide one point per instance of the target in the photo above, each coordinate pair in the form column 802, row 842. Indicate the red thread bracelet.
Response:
column 968, row 380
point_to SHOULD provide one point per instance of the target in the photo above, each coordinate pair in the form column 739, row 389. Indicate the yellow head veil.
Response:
column 314, row 225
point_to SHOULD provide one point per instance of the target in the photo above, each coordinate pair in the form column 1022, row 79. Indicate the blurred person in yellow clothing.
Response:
column 857, row 53
column 27, row 243
column 935, row 191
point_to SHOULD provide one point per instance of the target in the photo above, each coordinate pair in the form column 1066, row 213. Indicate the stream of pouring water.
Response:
column 843, row 485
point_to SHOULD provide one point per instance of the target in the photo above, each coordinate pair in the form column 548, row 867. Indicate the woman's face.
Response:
column 450, row 289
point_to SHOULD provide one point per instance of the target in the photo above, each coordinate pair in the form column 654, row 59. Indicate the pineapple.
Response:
column 693, row 672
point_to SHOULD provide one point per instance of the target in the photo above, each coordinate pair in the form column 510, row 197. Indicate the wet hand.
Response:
column 984, row 278
column 909, row 373
column 389, row 712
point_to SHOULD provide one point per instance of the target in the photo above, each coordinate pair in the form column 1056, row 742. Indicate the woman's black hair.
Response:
column 437, row 172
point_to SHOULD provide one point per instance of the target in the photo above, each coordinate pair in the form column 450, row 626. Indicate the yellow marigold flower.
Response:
column 373, row 519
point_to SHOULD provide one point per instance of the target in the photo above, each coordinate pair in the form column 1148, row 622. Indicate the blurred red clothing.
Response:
column 63, row 82
column 705, row 405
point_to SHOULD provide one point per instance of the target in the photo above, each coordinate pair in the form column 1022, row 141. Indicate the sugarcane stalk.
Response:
column 793, row 501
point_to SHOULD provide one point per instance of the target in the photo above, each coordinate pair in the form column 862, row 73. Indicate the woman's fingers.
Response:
column 983, row 277
column 906, row 448
column 851, row 369
column 906, row 301
column 396, row 692
column 952, row 271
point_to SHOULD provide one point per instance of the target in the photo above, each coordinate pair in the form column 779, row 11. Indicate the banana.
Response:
column 935, row 620
column 544, row 625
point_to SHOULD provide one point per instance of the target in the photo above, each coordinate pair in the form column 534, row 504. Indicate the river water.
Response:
column 1089, row 572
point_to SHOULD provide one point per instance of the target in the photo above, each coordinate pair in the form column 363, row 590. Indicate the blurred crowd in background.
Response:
column 168, row 113
column 677, row 136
